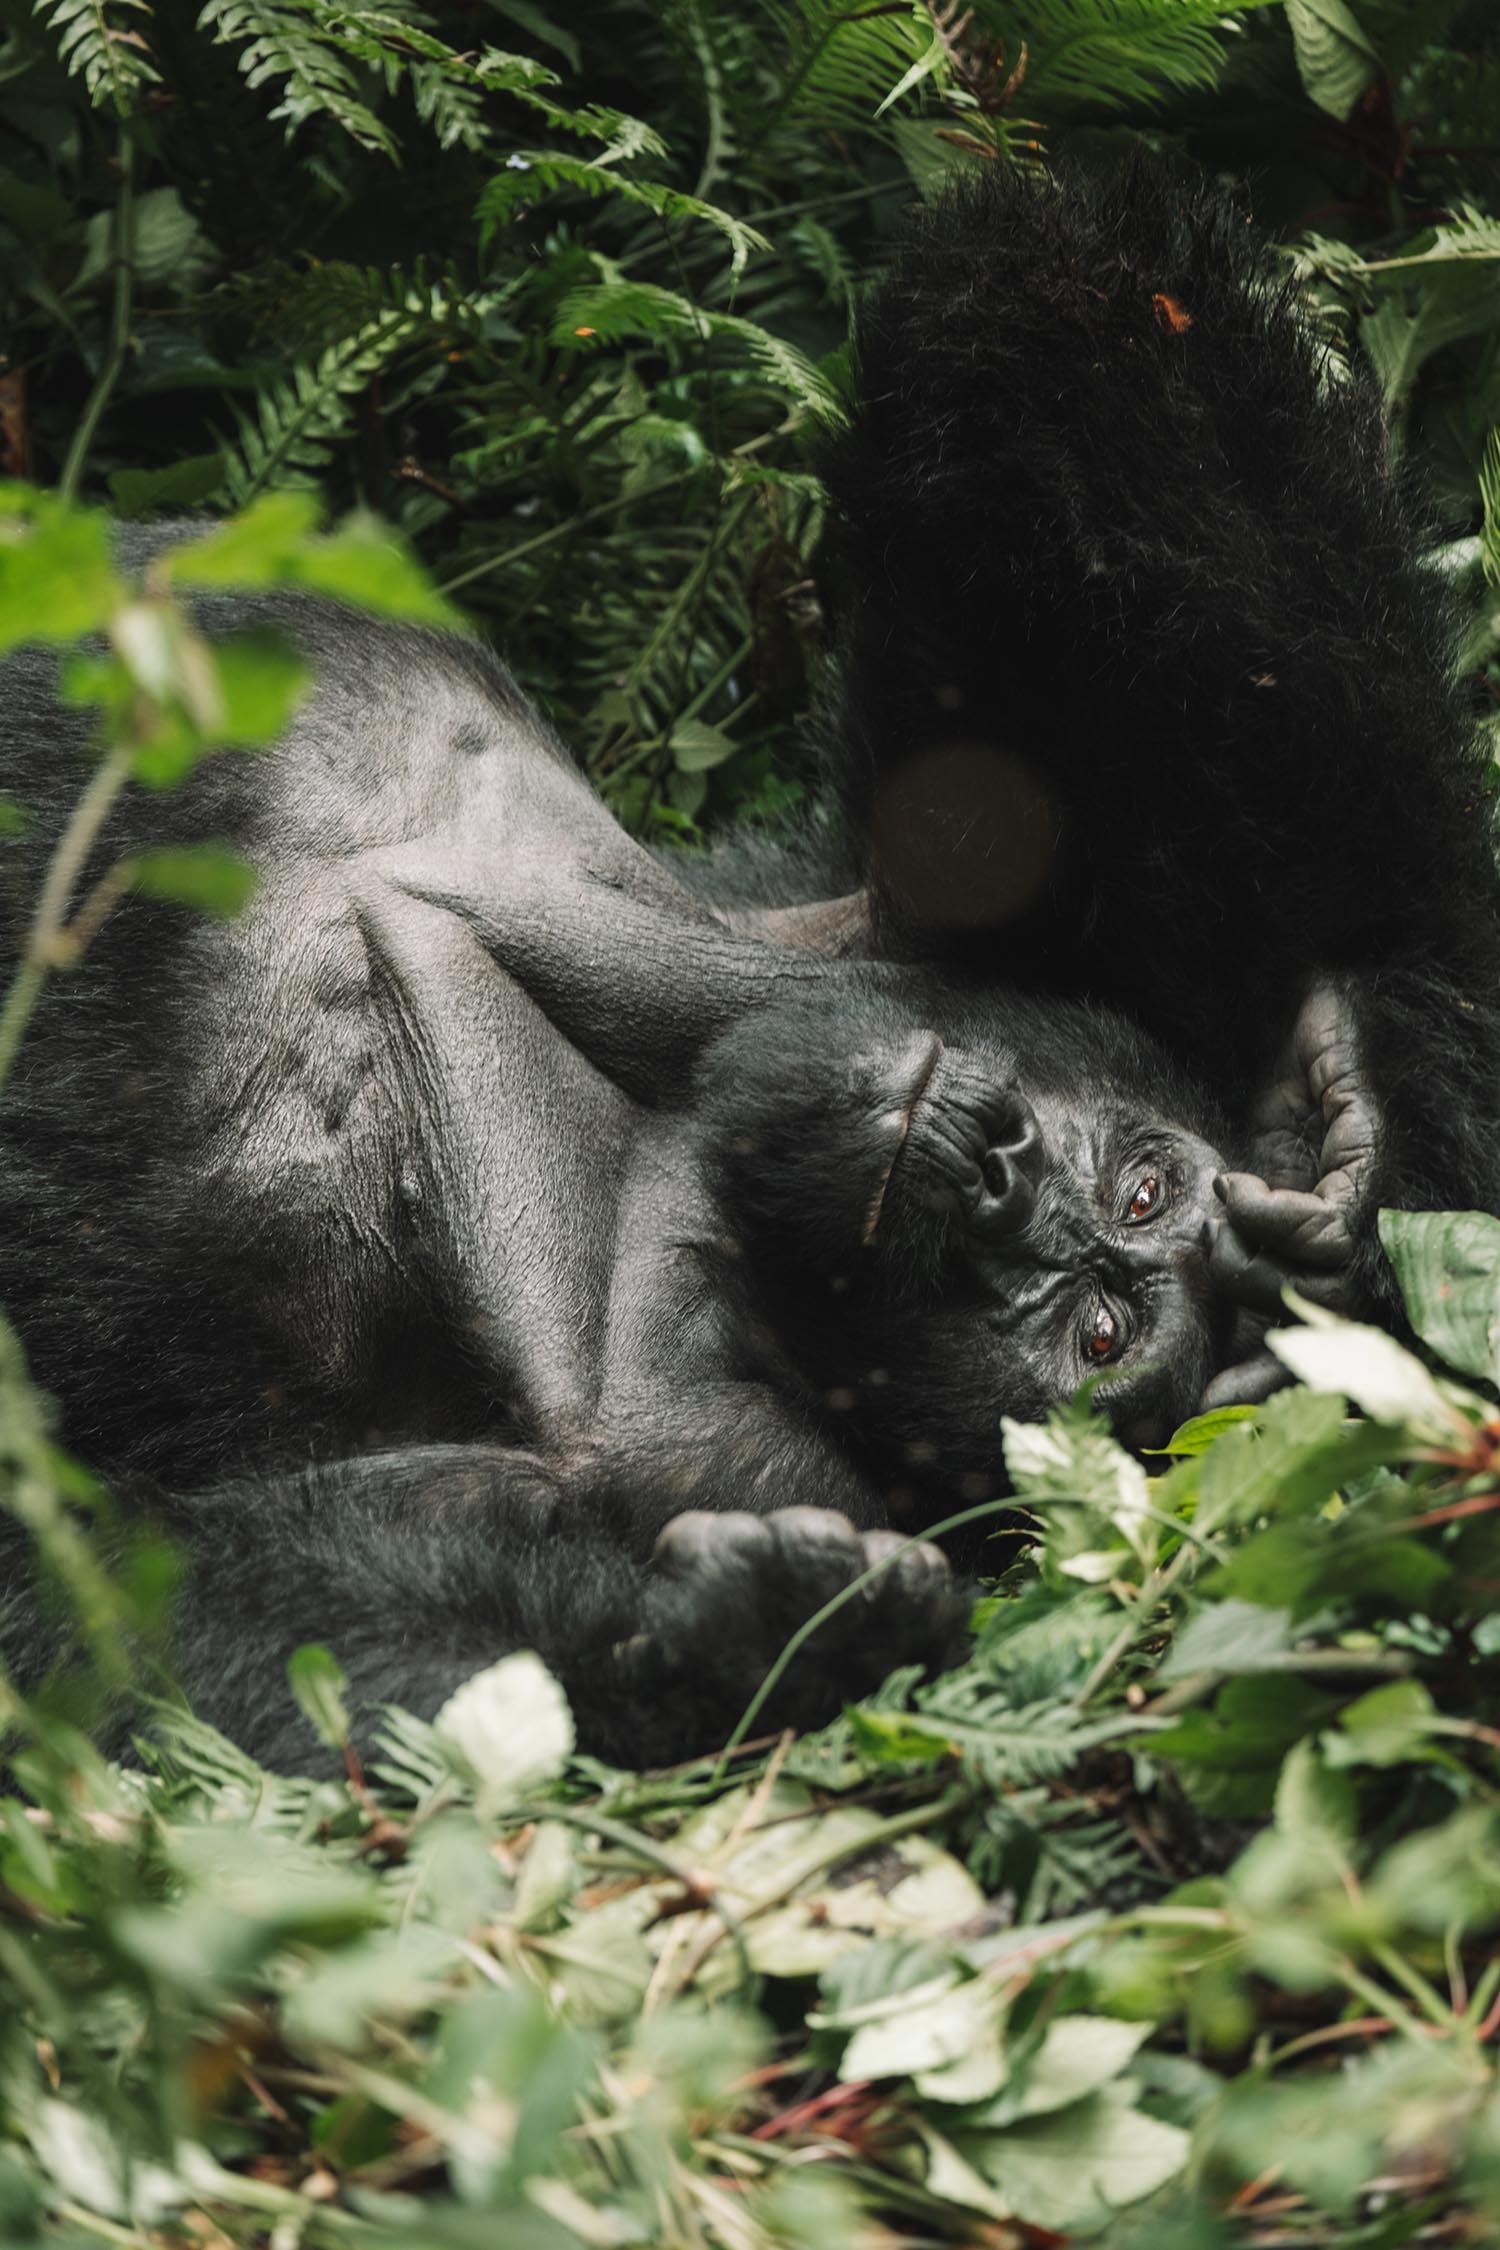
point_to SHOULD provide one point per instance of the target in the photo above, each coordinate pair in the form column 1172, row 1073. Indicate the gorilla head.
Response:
column 949, row 1208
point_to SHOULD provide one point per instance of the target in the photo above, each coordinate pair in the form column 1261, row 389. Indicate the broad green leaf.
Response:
column 927, row 2035
column 598, row 1968
column 1078, row 2055
column 1200, row 1431
column 57, row 580
column 508, row 1728
column 697, row 748
column 384, row 1978
column 318, row 1683
column 275, row 542
column 1389, row 1384
column 212, row 881
column 1384, row 1728
column 1230, row 1636
column 262, row 680
column 186, row 484
column 1073, row 2169
column 548, row 1875
column 1335, row 60
column 1448, row 1265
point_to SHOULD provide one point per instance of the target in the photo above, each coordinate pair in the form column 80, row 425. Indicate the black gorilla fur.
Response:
column 481, row 1127
column 1122, row 538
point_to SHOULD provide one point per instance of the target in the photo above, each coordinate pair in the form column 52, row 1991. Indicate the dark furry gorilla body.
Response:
column 480, row 1150
column 1147, row 697
column 484, row 1207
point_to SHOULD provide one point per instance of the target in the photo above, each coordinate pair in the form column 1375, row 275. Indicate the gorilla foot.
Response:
column 728, row 1591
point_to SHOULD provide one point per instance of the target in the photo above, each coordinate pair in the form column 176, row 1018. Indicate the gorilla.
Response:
column 499, row 1236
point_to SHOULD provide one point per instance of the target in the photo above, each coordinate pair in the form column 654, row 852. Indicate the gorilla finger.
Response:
column 1247, row 1277
column 816, row 1552
column 915, row 1571
column 1302, row 1228
column 1246, row 1385
column 703, row 1539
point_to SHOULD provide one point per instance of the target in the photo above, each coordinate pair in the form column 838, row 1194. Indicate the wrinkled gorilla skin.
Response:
column 1146, row 698
column 477, row 1126
column 549, row 1210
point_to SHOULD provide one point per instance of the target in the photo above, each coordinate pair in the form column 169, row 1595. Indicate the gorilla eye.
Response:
column 1145, row 1200
column 1104, row 1335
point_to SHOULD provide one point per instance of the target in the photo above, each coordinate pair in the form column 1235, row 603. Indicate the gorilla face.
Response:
column 1018, row 1216
column 1065, row 1238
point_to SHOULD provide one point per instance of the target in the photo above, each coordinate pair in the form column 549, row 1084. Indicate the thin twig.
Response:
column 47, row 923
column 113, row 364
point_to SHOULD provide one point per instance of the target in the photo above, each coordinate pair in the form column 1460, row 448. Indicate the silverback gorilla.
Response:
column 506, row 1238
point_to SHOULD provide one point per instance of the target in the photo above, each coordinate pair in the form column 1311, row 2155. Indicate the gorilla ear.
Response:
column 964, row 835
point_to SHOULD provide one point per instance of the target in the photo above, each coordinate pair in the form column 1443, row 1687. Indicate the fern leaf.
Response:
column 109, row 54
column 297, row 46
column 846, row 66
column 535, row 171
column 615, row 309
column 1489, row 494
column 287, row 442
column 1119, row 54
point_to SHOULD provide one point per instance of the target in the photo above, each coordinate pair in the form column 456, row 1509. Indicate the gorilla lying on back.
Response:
column 552, row 1212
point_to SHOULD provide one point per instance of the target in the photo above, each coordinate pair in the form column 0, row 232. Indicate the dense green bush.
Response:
column 1183, row 1894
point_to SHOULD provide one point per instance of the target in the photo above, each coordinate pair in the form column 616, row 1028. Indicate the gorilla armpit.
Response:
column 476, row 1126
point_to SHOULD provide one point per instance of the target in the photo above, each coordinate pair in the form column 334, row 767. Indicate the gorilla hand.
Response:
column 1293, row 1218
column 727, row 1591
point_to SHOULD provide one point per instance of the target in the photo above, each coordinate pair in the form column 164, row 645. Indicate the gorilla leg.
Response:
column 419, row 1568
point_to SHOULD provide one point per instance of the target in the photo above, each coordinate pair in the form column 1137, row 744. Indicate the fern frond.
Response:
column 1120, row 54
column 447, row 88
column 109, row 54
column 1489, row 494
column 532, row 172
column 287, row 442
column 612, row 310
column 299, row 48
column 846, row 66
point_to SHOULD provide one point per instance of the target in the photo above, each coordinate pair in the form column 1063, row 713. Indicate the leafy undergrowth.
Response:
column 1169, row 1918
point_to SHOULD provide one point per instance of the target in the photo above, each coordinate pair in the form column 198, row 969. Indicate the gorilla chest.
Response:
column 395, row 1142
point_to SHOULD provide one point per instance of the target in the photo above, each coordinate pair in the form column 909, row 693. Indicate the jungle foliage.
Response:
column 1172, row 1916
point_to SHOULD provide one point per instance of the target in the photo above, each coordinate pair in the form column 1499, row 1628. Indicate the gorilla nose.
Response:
column 1013, row 1164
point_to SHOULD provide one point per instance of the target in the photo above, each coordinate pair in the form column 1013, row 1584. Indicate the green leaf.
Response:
column 57, row 580
column 1389, row 1384
column 697, row 747
column 1232, row 1636
column 1335, row 60
column 261, row 680
column 384, row 1977
column 275, row 542
column 1384, row 1728
column 186, row 484
column 508, row 1728
column 212, row 880
column 1448, row 1265
column 1078, row 2055
column 1201, row 1431
column 1072, row 2170
column 318, row 1682
column 927, row 2035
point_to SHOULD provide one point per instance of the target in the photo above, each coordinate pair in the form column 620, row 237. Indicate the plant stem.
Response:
column 113, row 363
column 1157, row 1585
column 67, row 863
